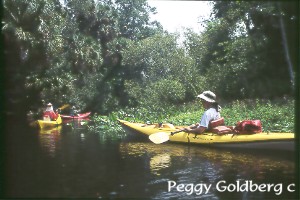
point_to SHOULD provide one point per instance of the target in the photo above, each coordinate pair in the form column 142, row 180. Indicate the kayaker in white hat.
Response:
column 212, row 112
column 49, row 113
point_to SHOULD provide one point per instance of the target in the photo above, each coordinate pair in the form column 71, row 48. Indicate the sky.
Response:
column 176, row 15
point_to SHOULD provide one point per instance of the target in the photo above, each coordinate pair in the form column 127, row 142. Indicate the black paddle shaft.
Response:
column 173, row 133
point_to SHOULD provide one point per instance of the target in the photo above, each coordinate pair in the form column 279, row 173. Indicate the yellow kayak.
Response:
column 49, row 124
column 259, row 140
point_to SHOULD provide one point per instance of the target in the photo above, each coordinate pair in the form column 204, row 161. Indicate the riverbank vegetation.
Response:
column 109, row 58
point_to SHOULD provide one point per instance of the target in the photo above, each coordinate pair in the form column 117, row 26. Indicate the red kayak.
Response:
column 77, row 116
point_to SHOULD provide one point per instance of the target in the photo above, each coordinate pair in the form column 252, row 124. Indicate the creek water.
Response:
column 72, row 163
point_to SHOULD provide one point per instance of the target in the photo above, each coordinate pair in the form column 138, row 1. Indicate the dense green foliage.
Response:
column 159, row 72
column 241, row 52
column 69, row 53
column 105, row 55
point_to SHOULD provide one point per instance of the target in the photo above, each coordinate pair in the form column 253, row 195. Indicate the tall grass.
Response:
column 276, row 116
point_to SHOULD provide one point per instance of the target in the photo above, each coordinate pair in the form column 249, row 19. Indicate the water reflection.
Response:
column 193, row 164
column 81, row 164
column 159, row 161
column 49, row 139
column 161, row 156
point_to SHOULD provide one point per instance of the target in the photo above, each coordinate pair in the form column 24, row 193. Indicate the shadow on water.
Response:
column 68, row 162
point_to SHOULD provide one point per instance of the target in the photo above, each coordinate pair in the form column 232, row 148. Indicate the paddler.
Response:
column 212, row 112
column 49, row 113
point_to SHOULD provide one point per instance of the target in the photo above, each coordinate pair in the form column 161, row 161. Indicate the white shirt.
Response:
column 209, row 115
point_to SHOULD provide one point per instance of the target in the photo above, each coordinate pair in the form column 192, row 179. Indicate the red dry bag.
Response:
column 248, row 126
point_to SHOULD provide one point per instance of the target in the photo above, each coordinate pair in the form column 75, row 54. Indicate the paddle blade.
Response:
column 159, row 137
column 64, row 106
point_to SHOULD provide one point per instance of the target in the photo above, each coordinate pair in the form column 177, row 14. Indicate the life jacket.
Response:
column 218, row 127
column 50, row 114
column 215, row 123
column 242, row 127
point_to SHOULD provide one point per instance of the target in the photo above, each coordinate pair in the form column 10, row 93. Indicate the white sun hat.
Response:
column 208, row 96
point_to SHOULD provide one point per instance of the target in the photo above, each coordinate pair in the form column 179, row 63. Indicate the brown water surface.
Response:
column 72, row 163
